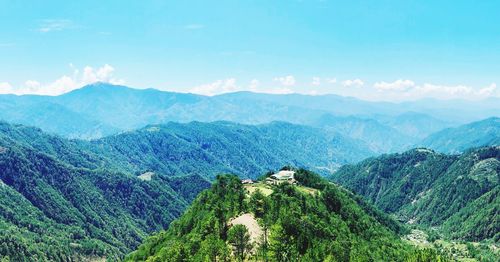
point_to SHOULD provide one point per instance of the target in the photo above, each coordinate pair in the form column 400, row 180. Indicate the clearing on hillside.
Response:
column 254, row 229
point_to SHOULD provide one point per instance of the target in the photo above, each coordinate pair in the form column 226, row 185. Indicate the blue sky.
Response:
column 379, row 50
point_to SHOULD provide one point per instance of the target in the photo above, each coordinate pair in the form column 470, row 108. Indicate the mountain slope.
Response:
column 378, row 137
column 52, row 210
column 455, row 140
column 101, row 109
column 101, row 198
column 415, row 125
column 433, row 189
column 299, row 224
column 213, row 148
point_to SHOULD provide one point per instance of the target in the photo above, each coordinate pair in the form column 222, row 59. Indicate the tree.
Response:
column 258, row 203
column 280, row 244
column 239, row 238
column 214, row 249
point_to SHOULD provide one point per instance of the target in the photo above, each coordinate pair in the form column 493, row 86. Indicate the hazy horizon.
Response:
column 384, row 51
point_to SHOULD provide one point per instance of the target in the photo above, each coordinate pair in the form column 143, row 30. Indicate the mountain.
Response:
column 101, row 198
column 456, row 193
column 51, row 117
column 102, row 109
column 476, row 134
column 378, row 137
column 52, row 210
column 415, row 125
column 225, row 147
column 312, row 221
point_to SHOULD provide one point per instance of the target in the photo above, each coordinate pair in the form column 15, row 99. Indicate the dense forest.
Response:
column 213, row 148
column 55, row 207
column 312, row 221
column 458, row 194
column 102, row 198
column 457, row 140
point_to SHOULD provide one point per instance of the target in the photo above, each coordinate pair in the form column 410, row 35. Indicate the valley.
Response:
column 158, row 189
column 249, row 131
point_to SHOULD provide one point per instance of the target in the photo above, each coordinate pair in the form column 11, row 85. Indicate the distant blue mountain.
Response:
column 456, row 140
column 101, row 109
column 378, row 137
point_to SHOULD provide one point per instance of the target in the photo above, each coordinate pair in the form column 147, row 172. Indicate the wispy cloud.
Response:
column 331, row 80
column 353, row 83
column 230, row 85
column 194, row 26
column 316, row 81
column 65, row 83
column 398, row 85
column 51, row 25
column 288, row 80
column 6, row 88
column 400, row 90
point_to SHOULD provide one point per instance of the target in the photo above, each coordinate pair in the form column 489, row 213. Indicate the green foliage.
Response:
column 459, row 139
column 458, row 193
column 224, row 147
column 426, row 255
column 297, row 226
column 239, row 238
column 57, row 206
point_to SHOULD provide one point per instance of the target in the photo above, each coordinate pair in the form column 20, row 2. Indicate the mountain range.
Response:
column 98, row 172
column 458, row 194
column 102, row 109
column 101, row 198
column 461, row 138
column 316, row 221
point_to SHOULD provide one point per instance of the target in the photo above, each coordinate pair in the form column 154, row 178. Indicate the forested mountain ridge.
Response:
column 457, row 193
column 321, row 222
column 199, row 148
column 52, row 210
column 100, row 109
column 218, row 147
column 456, row 140
column 378, row 137
column 101, row 198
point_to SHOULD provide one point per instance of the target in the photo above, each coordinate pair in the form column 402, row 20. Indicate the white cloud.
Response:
column 31, row 86
column 6, row 88
column 50, row 25
column 230, row 85
column 331, row 80
column 316, row 81
column 66, row 83
column 489, row 90
column 254, row 85
column 408, row 90
column 353, row 83
column 451, row 92
column 194, row 26
column 217, row 87
column 288, row 80
column 398, row 85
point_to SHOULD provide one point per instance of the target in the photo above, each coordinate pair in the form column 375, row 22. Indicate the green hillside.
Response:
column 53, row 210
column 320, row 222
column 213, row 148
column 456, row 193
column 457, row 140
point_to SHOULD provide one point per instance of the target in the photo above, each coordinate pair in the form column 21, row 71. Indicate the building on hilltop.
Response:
column 283, row 176
column 247, row 181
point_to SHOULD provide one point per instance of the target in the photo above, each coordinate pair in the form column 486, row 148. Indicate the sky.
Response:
column 374, row 50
